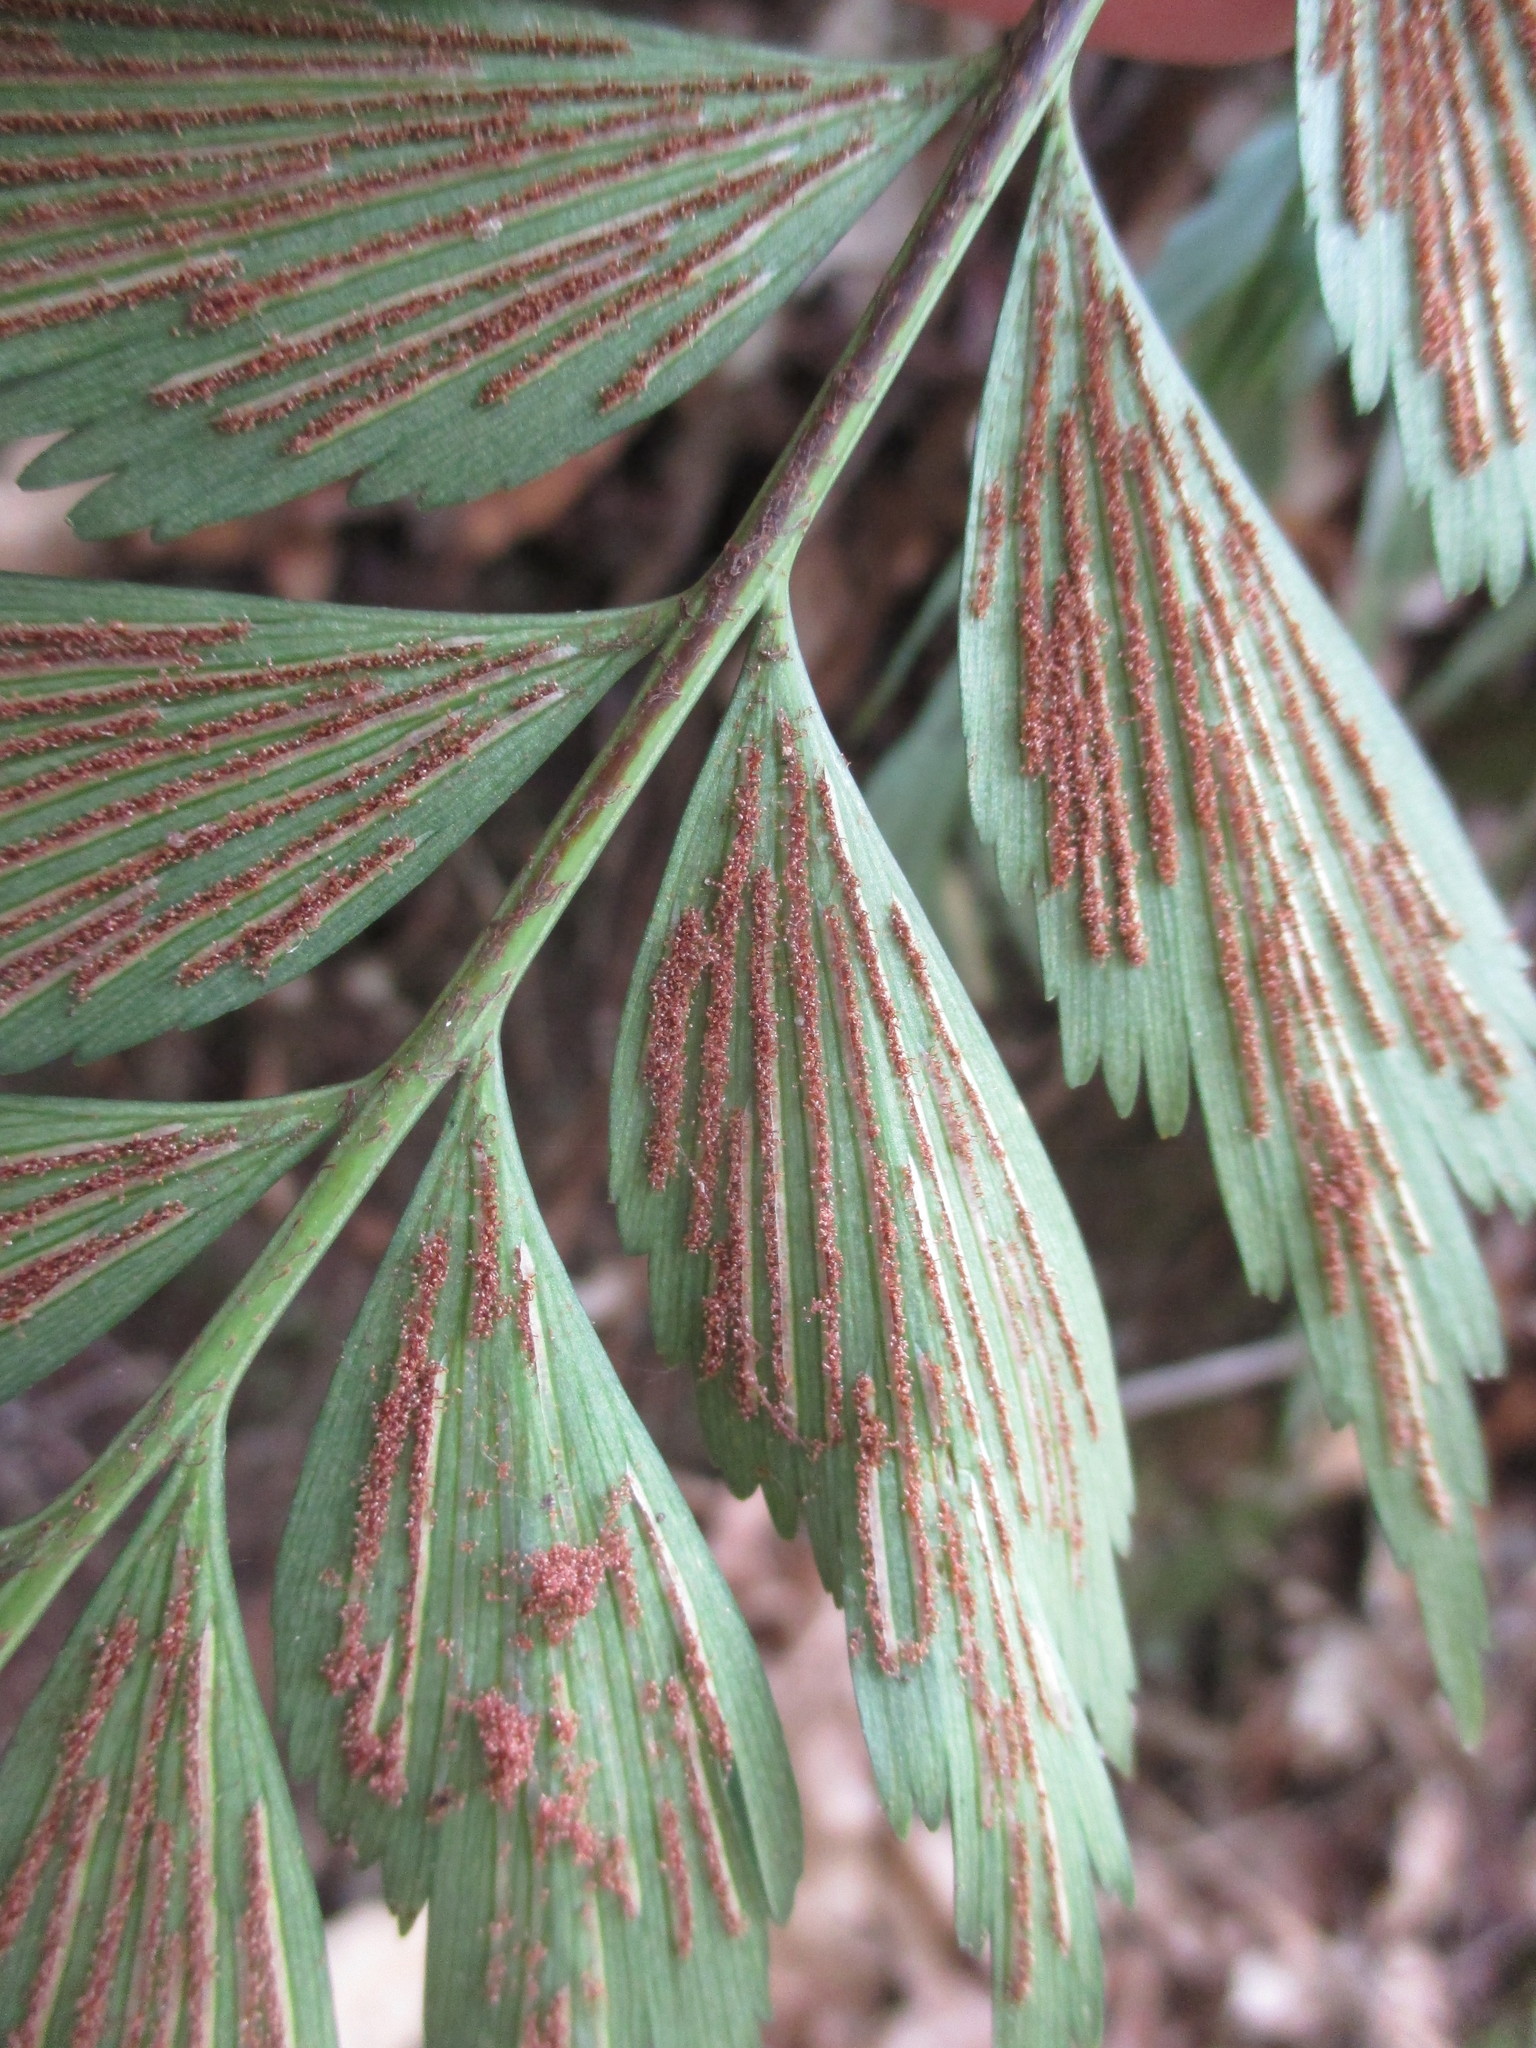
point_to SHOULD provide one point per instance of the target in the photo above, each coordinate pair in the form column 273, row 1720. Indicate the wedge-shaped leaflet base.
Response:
column 505, row 1651
column 858, row 1244
column 153, row 1888
column 202, row 797
column 246, row 250
column 1418, row 130
column 1239, row 858
column 101, row 1202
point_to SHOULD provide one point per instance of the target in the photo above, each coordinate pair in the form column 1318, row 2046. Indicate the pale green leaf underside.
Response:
column 153, row 1886
column 101, row 1202
column 1418, row 135
column 246, row 251
column 857, row 1243
column 1241, row 861
column 201, row 797
column 508, row 1658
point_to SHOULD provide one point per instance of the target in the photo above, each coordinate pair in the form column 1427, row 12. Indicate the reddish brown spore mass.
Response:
column 805, row 988
column 72, row 1796
column 720, row 1014
column 404, row 1434
column 1416, row 147
column 674, row 1867
column 489, row 1303
column 763, row 1004
column 174, row 1658
column 994, row 526
column 262, row 2007
column 1276, row 913
column 30, row 1286
column 706, row 1834
column 294, row 724
column 120, row 1163
column 665, row 1067
column 508, row 1739
column 700, row 1685
column 890, row 1651
column 565, row 1580
column 560, row 1821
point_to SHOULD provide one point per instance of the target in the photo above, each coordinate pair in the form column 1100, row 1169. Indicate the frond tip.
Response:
column 857, row 1244
column 1242, row 865
column 1418, row 132
column 507, row 1656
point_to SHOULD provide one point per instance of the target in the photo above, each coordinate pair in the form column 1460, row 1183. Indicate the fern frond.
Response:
column 1242, row 864
column 858, row 1245
column 247, row 251
column 153, row 1886
column 506, row 1654
column 101, row 1202
column 201, row 797
column 1418, row 133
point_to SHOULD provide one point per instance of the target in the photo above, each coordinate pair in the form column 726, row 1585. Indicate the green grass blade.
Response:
column 859, row 1246
column 1418, row 141
column 245, row 252
column 505, row 1652
column 153, row 1886
column 202, row 797
column 101, row 1202
column 1241, row 863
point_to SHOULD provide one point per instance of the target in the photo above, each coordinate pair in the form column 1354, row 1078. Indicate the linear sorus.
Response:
column 762, row 985
column 994, row 526
column 404, row 368
column 489, row 149
column 1416, row 95
column 406, row 1423
column 490, row 1303
column 142, row 1836
column 674, row 1868
column 110, row 1663
column 1402, row 917
column 891, row 1651
column 266, row 2013
column 560, row 1821
column 293, row 25
column 134, row 876
column 106, row 941
column 128, row 1164
column 805, row 987
column 1483, row 19
column 701, row 1808
column 701, row 1689
column 396, row 772
column 1156, row 791
column 688, row 952
column 720, row 1010
column 266, row 939
column 26, row 1288
column 345, row 678
column 682, row 334
column 1029, row 503
column 320, row 717
column 84, row 643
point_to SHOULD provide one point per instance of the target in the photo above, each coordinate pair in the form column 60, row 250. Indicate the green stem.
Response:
column 37, row 1556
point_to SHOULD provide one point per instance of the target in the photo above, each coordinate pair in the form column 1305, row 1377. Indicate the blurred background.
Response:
column 1317, row 1859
